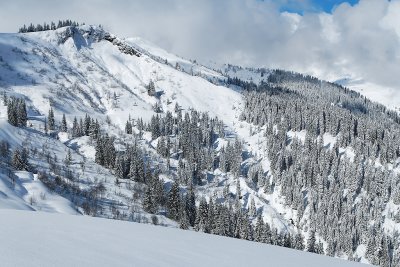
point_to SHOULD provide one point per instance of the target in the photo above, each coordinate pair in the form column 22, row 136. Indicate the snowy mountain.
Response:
column 96, row 125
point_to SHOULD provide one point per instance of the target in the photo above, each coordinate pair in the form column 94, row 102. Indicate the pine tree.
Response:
column 50, row 120
column 75, row 128
column 287, row 241
column 86, row 125
column 99, row 152
column 20, row 159
column 320, row 248
column 16, row 112
column 201, row 216
column 191, row 206
column 148, row 203
column 267, row 235
column 371, row 247
column 22, row 114
column 64, row 127
column 252, row 210
column 183, row 219
column 330, row 250
column 311, row 242
column 299, row 241
column 258, row 234
column 210, row 217
column 120, row 168
column 68, row 158
column 12, row 113
column 94, row 129
column 128, row 127
column 151, row 89
column 174, row 202
column 238, row 196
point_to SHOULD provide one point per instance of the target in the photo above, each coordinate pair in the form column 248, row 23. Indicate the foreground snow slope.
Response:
column 64, row 240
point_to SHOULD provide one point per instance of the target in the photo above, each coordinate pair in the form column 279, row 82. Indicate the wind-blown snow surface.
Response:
column 61, row 240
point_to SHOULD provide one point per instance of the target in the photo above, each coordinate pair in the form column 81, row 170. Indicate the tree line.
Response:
column 47, row 26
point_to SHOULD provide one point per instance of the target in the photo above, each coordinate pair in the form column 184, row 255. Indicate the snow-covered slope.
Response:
column 23, row 190
column 60, row 240
column 191, row 67
column 78, row 71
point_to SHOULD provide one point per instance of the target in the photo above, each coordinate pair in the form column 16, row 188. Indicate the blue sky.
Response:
column 302, row 6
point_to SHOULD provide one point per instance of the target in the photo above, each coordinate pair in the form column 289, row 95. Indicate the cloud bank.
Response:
column 359, row 42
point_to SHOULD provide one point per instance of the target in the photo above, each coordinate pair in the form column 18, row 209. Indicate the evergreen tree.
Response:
column 311, row 242
column 252, row 210
column 201, row 216
column 68, row 158
column 16, row 112
column 94, row 129
column 20, row 159
column 76, row 132
column 120, row 167
column 99, row 153
column 64, row 127
column 148, row 201
column 190, row 201
column 299, row 241
column 174, row 202
column 259, row 231
column 50, row 120
column 183, row 219
column 128, row 127
column 151, row 89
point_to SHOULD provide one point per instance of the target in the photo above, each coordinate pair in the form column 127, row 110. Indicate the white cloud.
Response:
column 360, row 41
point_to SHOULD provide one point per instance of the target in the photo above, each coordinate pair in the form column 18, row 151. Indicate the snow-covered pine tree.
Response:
column 20, row 159
column 190, row 201
column 311, row 242
column 298, row 241
column 50, row 120
column 252, row 209
column 174, row 202
column 128, row 127
column 151, row 89
column 64, row 127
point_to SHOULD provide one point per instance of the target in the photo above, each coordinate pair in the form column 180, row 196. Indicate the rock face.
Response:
column 122, row 46
column 93, row 34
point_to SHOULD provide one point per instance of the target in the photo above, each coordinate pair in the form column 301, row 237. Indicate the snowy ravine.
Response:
column 43, row 239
